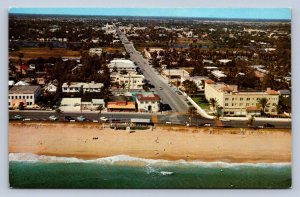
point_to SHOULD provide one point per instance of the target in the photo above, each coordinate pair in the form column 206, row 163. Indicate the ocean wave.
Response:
column 30, row 157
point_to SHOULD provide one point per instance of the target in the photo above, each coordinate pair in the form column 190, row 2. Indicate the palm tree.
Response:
column 123, row 85
column 263, row 103
column 213, row 103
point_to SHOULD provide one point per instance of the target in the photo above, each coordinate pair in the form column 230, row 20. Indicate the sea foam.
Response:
column 30, row 157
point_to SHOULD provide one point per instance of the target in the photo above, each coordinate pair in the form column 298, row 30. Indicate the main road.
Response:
column 166, row 92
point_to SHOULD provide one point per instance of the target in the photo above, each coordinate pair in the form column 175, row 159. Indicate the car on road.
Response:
column 68, row 118
column 53, row 117
column 103, row 119
column 178, row 92
column 18, row 117
column 81, row 118
column 160, row 88
column 206, row 125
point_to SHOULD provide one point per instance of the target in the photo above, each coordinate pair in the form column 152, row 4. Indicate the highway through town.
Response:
column 166, row 92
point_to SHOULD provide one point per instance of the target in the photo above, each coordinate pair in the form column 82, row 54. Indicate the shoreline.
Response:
column 229, row 145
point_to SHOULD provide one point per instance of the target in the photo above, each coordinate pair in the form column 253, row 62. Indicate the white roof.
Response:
column 121, row 63
column 11, row 82
column 73, row 84
column 180, row 72
column 93, row 85
column 98, row 101
column 224, row 61
column 22, row 83
column 218, row 73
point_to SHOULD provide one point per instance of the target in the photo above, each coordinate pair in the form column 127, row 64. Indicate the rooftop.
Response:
column 23, row 89
column 148, row 97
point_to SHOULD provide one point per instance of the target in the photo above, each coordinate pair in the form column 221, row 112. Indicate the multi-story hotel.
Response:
column 28, row 95
column 236, row 102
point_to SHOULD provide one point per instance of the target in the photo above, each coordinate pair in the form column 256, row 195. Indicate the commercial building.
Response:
column 28, row 95
column 92, row 104
column 236, row 102
column 174, row 75
column 121, row 104
column 131, row 81
column 148, row 102
column 122, row 65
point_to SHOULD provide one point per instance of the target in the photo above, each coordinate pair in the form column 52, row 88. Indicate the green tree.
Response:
column 263, row 103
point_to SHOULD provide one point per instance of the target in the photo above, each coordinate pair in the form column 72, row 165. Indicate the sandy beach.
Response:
column 90, row 141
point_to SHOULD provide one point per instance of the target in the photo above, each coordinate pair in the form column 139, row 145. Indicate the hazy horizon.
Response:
column 219, row 13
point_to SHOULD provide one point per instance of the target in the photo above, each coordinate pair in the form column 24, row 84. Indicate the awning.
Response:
column 113, row 106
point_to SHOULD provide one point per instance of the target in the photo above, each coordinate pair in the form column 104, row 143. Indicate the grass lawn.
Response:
column 200, row 100
column 44, row 52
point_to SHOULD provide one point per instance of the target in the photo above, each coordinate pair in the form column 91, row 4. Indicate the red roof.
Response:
column 24, row 67
column 151, row 97
column 209, row 81
column 271, row 92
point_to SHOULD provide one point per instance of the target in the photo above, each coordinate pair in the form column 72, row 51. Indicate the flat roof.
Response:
column 140, row 120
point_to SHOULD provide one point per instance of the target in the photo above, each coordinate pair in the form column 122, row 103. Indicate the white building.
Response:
column 92, row 104
column 148, row 102
column 130, row 80
column 28, row 95
column 92, row 87
column 236, row 102
column 73, row 87
column 151, row 50
column 174, row 75
column 122, row 65
column 22, row 83
column 50, row 87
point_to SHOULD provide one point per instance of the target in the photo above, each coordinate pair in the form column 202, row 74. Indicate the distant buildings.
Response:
column 218, row 74
column 151, row 50
column 236, row 102
column 27, row 95
column 148, row 102
column 92, row 87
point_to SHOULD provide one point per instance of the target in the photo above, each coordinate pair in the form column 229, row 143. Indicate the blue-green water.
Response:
column 24, row 174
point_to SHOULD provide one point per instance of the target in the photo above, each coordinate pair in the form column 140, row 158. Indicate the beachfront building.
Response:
column 27, row 95
column 122, row 65
column 198, row 80
column 235, row 102
column 92, row 87
column 91, row 104
column 121, row 104
column 174, row 75
column 148, row 102
column 72, row 87
column 129, row 81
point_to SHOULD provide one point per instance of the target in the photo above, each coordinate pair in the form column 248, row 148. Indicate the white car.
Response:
column 104, row 119
column 53, row 117
column 81, row 118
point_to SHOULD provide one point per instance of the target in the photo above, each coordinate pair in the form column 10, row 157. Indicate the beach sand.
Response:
column 90, row 141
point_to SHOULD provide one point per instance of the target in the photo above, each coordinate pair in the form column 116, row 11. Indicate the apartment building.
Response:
column 92, row 87
column 28, row 95
column 235, row 102
column 73, row 87
column 132, row 81
column 122, row 65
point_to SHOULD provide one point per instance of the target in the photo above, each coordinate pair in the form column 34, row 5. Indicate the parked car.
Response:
column 68, row 118
column 53, row 117
column 81, row 118
column 18, row 117
column 104, row 119
column 206, row 125
column 160, row 88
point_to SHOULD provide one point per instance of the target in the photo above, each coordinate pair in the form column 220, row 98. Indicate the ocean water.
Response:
column 32, row 171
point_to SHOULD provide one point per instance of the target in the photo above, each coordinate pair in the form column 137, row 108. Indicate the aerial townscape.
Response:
column 195, row 89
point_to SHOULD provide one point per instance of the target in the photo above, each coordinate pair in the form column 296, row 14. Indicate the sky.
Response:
column 240, row 13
